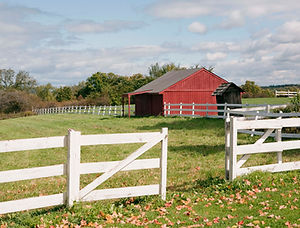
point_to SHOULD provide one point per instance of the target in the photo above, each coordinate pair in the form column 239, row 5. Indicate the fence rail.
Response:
column 73, row 168
column 104, row 110
column 285, row 93
column 233, row 166
column 221, row 110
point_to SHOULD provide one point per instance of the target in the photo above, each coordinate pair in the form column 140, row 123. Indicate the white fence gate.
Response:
column 73, row 141
column 233, row 125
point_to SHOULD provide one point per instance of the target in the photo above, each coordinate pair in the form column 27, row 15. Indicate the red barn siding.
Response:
column 197, row 88
column 201, row 80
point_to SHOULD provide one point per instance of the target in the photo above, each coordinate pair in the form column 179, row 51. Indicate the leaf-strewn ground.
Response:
column 197, row 193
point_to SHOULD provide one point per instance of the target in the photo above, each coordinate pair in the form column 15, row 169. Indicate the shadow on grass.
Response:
column 186, row 124
column 203, row 150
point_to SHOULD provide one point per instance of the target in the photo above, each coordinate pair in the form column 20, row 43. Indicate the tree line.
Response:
column 19, row 92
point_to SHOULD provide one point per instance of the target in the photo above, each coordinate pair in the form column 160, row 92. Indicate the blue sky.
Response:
column 64, row 42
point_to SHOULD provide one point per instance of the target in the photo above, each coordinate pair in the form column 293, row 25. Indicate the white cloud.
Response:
column 178, row 9
column 235, row 19
column 197, row 27
column 289, row 32
column 218, row 46
column 268, row 57
column 215, row 56
column 18, row 30
column 104, row 27
column 271, row 58
column 234, row 12
column 196, row 8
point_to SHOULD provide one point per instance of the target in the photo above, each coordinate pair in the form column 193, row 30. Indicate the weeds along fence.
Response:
column 104, row 110
column 233, row 151
column 73, row 168
column 219, row 110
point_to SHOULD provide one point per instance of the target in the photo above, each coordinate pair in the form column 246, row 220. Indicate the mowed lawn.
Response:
column 197, row 194
column 267, row 100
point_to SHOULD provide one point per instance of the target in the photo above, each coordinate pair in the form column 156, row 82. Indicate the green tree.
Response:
column 20, row 81
column 45, row 92
column 251, row 89
column 210, row 68
column 156, row 70
column 94, row 84
column 63, row 94
column 6, row 78
column 24, row 82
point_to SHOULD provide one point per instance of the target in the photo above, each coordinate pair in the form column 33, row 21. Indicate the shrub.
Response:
column 295, row 103
column 13, row 101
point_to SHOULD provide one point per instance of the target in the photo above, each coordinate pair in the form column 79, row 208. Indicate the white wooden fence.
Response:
column 233, row 166
column 285, row 93
column 221, row 110
column 73, row 141
column 93, row 110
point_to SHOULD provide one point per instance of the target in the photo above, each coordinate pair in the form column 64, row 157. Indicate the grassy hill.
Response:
column 266, row 100
column 197, row 193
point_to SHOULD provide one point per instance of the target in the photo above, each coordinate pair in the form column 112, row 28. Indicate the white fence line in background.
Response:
column 221, row 110
column 73, row 168
column 285, row 93
column 93, row 110
column 233, row 125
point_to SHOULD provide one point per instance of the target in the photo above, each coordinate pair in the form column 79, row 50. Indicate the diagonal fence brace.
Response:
column 94, row 184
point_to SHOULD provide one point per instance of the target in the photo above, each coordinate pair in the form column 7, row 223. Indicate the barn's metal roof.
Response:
column 165, row 81
column 224, row 87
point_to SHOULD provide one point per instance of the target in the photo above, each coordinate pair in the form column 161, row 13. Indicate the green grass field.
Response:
column 266, row 100
column 197, row 194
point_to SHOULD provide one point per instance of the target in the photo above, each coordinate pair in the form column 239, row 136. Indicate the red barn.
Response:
column 186, row 86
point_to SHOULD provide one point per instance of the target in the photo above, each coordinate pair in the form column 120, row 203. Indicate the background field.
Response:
column 266, row 100
column 197, row 192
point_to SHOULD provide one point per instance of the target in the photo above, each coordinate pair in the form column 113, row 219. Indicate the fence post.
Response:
column 104, row 109
column 233, row 146
column 278, row 139
column 180, row 107
column 267, row 108
column 206, row 109
column 227, row 146
column 163, row 163
column 165, row 107
column 225, row 108
column 73, row 167
column 256, row 118
column 193, row 111
column 169, row 111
